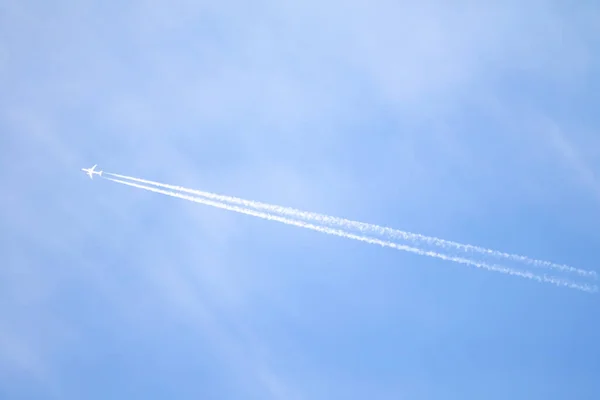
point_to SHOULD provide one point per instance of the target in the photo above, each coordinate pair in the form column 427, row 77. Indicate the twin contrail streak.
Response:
column 348, row 235
column 365, row 228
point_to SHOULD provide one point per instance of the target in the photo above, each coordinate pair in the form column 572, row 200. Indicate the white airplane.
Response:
column 91, row 172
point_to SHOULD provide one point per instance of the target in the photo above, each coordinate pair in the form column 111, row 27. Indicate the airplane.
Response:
column 91, row 172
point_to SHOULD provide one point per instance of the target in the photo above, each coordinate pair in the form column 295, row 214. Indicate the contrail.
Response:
column 341, row 233
column 366, row 228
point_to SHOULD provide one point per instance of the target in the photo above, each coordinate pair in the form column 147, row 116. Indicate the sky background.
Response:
column 471, row 121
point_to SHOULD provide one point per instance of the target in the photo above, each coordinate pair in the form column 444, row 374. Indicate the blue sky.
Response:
column 472, row 122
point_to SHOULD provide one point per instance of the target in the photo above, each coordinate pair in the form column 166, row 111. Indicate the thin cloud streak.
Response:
column 366, row 239
column 366, row 228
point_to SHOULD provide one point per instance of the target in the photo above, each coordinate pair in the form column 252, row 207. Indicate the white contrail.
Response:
column 366, row 228
column 341, row 233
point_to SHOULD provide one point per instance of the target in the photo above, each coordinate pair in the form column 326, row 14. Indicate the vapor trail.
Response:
column 366, row 228
column 384, row 243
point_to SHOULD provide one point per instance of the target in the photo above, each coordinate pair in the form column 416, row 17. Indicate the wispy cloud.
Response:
column 572, row 157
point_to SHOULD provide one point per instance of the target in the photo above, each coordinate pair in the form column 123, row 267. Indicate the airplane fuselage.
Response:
column 91, row 172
